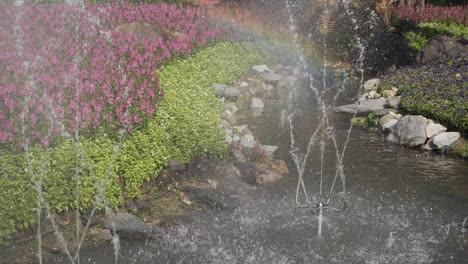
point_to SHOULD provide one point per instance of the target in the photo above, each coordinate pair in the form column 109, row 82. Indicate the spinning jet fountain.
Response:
column 323, row 201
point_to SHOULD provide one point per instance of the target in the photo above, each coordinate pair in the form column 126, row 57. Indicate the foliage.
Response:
column 438, row 91
column 187, row 123
column 423, row 32
column 65, row 68
column 410, row 14
column 460, row 147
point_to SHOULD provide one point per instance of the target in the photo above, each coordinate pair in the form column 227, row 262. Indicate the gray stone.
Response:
column 411, row 130
column 269, row 177
column 261, row 68
column 377, row 95
column 433, row 129
column 225, row 124
column 230, row 116
column 389, row 125
column 223, row 90
column 240, row 129
column 385, row 119
column 175, row 165
column 235, row 139
column 389, row 93
column 232, row 107
column 267, row 87
column 51, row 245
column 372, row 84
column 212, row 198
column 271, row 78
column 441, row 47
column 365, row 106
column 444, row 140
column 256, row 103
column 247, row 141
column 393, row 102
column 228, row 139
column 100, row 234
column 392, row 137
column 127, row 225
column 386, row 111
column 372, row 94
column 243, row 84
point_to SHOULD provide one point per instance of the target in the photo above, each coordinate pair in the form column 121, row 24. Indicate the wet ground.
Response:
column 405, row 206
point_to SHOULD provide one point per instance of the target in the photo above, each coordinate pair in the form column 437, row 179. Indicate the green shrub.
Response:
column 419, row 36
column 186, row 124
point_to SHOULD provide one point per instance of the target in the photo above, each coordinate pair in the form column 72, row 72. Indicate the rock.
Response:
column 229, row 132
column 223, row 90
column 386, row 111
column 443, row 140
column 442, row 47
column 225, row 124
column 261, row 68
column 392, row 137
column 267, row 87
column 385, row 119
column 247, row 141
column 263, row 153
column 127, row 226
column 389, row 93
column 235, row 139
column 395, row 90
column 230, row 117
column 97, row 234
column 232, row 107
column 268, row 178
column 372, row 84
column 232, row 184
column 372, row 94
column 256, row 103
column 243, row 84
column 280, row 167
column 228, row 139
column 176, row 165
column 411, row 130
column 240, row 129
column 248, row 172
column 247, row 131
column 136, row 206
column 393, row 102
column 51, row 245
column 200, row 167
column 212, row 198
column 389, row 125
column 377, row 95
column 433, row 129
column 271, row 78
column 365, row 106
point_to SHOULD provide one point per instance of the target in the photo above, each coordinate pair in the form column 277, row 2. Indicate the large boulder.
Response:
column 127, row 226
column 442, row 140
column 411, row 130
column 372, row 85
column 442, row 47
column 433, row 129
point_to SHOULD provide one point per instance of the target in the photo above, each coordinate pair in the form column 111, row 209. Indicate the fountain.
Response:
column 384, row 216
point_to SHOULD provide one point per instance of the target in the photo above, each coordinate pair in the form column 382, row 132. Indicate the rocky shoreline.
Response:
column 414, row 131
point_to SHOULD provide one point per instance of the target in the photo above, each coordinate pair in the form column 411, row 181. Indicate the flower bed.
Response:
column 64, row 68
column 438, row 91
column 455, row 14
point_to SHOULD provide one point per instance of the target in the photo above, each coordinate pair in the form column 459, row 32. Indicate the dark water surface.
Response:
column 405, row 206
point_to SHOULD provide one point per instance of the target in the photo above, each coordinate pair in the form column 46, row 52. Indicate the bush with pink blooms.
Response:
column 453, row 14
column 65, row 69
